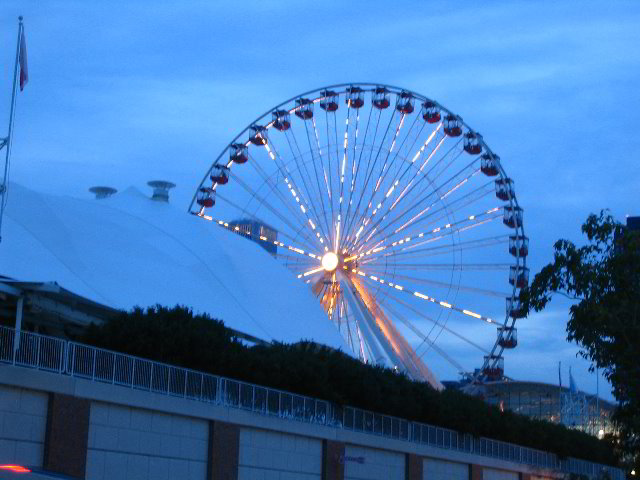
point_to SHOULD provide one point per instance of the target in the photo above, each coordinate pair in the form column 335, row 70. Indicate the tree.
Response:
column 171, row 335
column 603, row 277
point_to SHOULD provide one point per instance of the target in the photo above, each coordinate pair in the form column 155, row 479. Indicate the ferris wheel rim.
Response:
column 520, row 261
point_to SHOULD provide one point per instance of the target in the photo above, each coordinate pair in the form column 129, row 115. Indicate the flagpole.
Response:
column 6, row 142
column 598, row 398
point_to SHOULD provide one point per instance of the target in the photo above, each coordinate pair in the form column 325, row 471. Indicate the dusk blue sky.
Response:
column 122, row 92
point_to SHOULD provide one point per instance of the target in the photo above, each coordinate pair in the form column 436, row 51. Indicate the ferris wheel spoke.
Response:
column 364, row 350
column 302, row 261
column 355, row 169
column 440, row 139
column 315, row 171
column 313, row 270
column 327, row 179
column 344, row 233
column 403, row 257
column 337, row 170
column 371, row 270
column 328, row 170
column 471, row 221
column 373, row 167
column 371, row 229
column 426, row 298
column 446, row 231
column 350, row 337
column 283, row 200
column 400, row 350
column 425, row 339
column 414, row 239
column 301, row 196
column 446, row 210
column 294, row 267
column 263, row 239
column 450, row 208
column 369, row 170
column 395, row 181
column 299, row 230
column 369, row 203
column 294, row 239
column 455, row 266
column 296, row 190
column 440, row 250
column 430, row 183
column 288, row 178
column 342, row 318
column 384, row 171
column 353, row 339
column 437, row 324
column 435, row 191
column 345, row 154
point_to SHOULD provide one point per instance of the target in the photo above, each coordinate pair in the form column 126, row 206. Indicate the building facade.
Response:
column 568, row 406
column 258, row 232
column 89, row 413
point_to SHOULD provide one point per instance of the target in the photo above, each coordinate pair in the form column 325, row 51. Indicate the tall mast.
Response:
column 6, row 142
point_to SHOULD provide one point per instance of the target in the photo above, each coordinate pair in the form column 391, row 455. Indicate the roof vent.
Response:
column 160, row 190
column 102, row 192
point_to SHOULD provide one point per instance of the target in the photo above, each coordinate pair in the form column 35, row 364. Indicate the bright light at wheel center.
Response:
column 329, row 261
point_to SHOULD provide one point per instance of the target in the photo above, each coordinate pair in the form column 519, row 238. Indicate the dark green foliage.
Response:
column 603, row 277
column 177, row 336
column 173, row 336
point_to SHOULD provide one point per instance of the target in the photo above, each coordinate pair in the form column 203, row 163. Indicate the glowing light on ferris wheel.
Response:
column 330, row 261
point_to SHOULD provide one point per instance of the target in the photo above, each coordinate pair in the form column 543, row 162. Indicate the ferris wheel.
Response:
column 397, row 214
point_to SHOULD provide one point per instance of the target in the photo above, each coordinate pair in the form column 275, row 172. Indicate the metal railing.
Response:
column 95, row 364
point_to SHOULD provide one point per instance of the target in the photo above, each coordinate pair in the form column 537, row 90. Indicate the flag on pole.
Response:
column 24, row 71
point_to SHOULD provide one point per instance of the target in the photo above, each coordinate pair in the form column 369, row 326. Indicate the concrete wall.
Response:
column 23, row 421
column 267, row 455
column 141, row 444
column 130, row 433
column 494, row 474
column 434, row 469
column 378, row 464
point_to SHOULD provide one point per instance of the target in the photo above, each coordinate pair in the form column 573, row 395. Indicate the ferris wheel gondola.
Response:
column 392, row 216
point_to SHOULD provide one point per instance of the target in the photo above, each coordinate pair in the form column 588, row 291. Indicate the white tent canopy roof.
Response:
column 127, row 250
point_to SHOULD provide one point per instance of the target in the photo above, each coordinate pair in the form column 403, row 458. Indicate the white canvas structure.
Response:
column 128, row 250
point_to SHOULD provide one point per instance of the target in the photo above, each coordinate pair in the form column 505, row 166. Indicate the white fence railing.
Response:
column 70, row 358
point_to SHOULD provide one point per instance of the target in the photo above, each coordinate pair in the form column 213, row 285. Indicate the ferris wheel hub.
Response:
column 330, row 261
